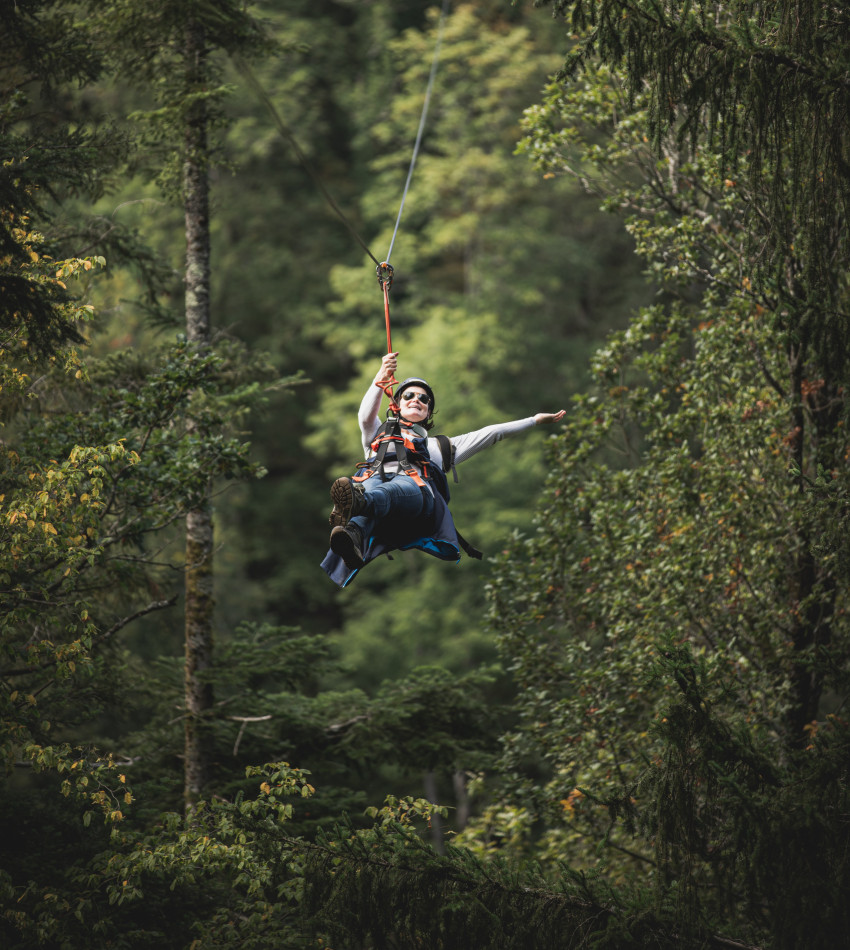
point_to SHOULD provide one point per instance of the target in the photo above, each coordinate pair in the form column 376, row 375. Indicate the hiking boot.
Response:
column 347, row 543
column 349, row 499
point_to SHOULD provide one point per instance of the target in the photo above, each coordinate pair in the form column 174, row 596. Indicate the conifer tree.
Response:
column 172, row 50
column 769, row 85
column 95, row 462
column 199, row 521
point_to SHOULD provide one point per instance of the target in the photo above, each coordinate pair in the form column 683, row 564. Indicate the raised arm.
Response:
column 368, row 415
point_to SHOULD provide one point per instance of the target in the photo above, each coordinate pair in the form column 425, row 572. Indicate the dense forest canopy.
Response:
column 626, row 727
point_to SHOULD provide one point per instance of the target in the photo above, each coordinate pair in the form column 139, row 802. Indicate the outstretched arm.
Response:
column 473, row 442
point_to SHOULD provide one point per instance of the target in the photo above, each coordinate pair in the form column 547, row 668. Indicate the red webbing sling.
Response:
column 385, row 279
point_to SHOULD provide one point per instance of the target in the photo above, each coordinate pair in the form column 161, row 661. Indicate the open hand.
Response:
column 544, row 418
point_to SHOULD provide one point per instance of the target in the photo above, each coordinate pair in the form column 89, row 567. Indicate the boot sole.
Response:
column 342, row 544
column 342, row 495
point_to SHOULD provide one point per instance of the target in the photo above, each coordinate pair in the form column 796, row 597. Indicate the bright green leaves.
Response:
column 89, row 497
column 405, row 811
column 93, row 781
column 279, row 782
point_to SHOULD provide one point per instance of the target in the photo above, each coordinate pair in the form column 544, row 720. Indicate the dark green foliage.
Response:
column 679, row 630
column 386, row 888
column 43, row 43
column 747, row 854
column 36, row 308
column 739, row 831
column 430, row 719
column 769, row 88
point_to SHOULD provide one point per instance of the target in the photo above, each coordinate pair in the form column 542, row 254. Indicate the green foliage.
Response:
column 230, row 878
column 764, row 85
column 674, row 628
column 149, row 45
column 384, row 887
column 85, row 527
column 672, row 768
column 428, row 720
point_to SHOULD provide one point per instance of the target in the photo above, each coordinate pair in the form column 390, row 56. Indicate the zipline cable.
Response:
column 434, row 61
column 383, row 268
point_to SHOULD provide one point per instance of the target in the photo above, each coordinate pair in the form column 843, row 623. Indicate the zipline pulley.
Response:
column 385, row 274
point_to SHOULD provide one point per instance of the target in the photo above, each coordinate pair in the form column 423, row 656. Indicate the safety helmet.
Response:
column 415, row 381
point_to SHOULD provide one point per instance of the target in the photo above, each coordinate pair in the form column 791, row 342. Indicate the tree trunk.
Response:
column 461, row 799
column 199, row 522
column 436, row 823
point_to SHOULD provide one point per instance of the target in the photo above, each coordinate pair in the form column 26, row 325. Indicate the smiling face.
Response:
column 415, row 404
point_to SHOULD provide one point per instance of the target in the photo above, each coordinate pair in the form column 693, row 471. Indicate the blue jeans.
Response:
column 398, row 498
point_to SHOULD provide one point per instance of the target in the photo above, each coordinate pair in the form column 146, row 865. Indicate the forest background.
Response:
column 623, row 728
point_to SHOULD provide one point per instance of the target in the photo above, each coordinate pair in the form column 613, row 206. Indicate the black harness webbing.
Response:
column 447, row 450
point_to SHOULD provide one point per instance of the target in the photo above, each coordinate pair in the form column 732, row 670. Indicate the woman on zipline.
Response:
column 399, row 499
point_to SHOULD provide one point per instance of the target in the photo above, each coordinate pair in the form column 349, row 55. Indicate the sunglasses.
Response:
column 422, row 397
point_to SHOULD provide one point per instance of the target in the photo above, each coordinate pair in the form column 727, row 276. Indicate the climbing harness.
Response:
column 405, row 438
column 397, row 440
column 399, row 435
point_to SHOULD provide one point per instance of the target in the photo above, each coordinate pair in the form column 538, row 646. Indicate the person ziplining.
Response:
column 399, row 498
